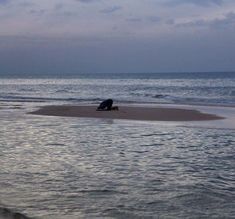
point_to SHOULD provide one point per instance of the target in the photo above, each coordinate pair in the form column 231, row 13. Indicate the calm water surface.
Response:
column 55, row 167
column 71, row 168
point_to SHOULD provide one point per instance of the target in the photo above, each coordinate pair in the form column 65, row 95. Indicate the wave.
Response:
column 133, row 99
column 6, row 213
column 11, row 98
column 157, row 96
column 64, row 91
column 232, row 93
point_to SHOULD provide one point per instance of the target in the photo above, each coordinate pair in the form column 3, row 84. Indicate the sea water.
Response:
column 57, row 167
column 188, row 88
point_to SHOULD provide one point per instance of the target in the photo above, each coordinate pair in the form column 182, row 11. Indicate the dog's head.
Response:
column 115, row 108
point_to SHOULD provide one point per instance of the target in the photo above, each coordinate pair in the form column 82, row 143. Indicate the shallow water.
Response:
column 55, row 167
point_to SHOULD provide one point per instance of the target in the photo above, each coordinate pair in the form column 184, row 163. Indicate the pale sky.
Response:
column 79, row 36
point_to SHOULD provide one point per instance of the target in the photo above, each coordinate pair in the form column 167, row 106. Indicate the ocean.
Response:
column 168, row 88
column 70, row 168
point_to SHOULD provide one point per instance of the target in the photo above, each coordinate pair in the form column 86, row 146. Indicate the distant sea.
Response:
column 70, row 168
column 167, row 88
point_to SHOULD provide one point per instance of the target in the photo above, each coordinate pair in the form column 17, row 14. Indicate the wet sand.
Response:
column 128, row 112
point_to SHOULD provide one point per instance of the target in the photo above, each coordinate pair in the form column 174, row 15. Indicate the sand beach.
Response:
column 128, row 112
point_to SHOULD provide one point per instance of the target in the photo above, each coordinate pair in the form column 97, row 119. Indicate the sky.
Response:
column 92, row 36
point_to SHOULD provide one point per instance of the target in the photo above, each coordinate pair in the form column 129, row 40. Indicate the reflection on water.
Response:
column 54, row 167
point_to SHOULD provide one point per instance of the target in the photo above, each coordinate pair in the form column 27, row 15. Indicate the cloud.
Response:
column 111, row 9
column 86, row 1
column 3, row 2
column 135, row 20
column 39, row 12
column 170, row 21
column 119, row 55
column 131, row 35
column 154, row 19
column 218, row 23
column 195, row 2
column 59, row 6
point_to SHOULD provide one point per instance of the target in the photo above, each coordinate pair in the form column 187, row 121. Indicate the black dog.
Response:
column 106, row 105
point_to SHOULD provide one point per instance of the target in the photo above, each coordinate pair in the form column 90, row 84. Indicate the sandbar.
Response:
column 128, row 112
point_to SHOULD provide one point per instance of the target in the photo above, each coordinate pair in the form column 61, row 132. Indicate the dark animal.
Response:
column 106, row 105
column 115, row 108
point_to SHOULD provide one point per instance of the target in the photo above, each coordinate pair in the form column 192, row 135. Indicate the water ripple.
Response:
column 80, row 168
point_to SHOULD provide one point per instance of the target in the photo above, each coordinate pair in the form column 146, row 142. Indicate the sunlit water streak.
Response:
column 55, row 167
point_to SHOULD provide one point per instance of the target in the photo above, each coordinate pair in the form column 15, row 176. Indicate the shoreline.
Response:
column 129, row 113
